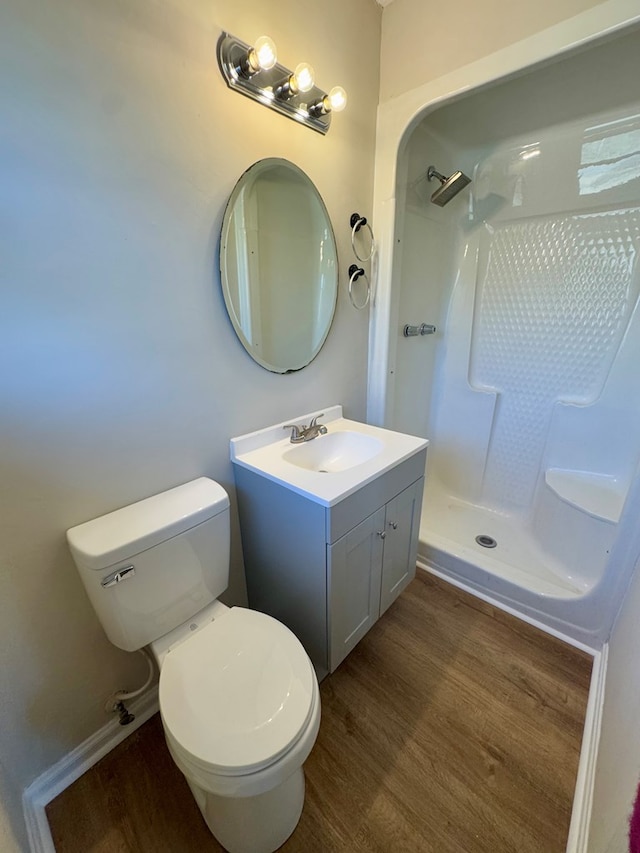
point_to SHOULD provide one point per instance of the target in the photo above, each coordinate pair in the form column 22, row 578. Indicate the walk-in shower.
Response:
column 530, row 389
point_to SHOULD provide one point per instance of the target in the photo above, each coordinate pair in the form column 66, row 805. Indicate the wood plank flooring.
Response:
column 452, row 728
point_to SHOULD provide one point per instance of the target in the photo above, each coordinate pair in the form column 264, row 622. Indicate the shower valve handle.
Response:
column 422, row 329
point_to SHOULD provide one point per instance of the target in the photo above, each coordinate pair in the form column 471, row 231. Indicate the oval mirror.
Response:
column 278, row 265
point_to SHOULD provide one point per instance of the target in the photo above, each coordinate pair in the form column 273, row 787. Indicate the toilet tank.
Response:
column 150, row 566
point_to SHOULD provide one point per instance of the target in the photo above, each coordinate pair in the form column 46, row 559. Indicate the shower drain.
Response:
column 486, row 541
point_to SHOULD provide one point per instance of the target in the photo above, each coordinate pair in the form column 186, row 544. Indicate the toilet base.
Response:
column 258, row 824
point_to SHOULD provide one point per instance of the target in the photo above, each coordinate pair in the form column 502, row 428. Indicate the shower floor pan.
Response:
column 448, row 532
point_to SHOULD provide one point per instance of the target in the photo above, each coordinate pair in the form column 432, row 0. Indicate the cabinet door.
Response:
column 354, row 567
column 402, row 526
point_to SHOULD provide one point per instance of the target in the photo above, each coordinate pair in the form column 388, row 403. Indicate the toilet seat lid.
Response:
column 238, row 693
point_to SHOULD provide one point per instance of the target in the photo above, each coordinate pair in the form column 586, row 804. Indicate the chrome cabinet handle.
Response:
column 382, row 534
column 118, row 576
column 393, row 524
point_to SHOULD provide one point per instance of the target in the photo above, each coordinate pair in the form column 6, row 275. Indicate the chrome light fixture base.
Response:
column 262, row 85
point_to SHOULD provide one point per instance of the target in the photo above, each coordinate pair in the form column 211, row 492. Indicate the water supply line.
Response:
column 115, row 703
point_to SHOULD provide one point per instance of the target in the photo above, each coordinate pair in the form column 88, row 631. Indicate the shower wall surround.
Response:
column 533, row 390
column 550, row 298
column 551, row 311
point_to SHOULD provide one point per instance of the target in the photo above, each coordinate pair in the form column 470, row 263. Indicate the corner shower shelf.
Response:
column 599, row 495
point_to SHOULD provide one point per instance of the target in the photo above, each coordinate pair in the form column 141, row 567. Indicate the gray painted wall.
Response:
column 120, row 374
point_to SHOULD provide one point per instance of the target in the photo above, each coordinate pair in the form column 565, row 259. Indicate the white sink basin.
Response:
column 329, row 467
column 336, row 451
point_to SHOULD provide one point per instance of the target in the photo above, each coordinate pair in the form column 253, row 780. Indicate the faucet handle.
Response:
column 314, row 421
column 295, row 431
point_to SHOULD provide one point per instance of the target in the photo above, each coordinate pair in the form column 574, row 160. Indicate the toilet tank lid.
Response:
column 119, row 535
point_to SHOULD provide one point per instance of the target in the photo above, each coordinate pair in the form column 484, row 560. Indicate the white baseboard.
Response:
column 583, row 797
column 54, row 780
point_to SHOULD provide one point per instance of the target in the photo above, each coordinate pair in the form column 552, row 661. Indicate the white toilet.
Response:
column 239, row 697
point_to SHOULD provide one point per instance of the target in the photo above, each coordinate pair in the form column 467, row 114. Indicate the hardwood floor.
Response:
column 452, row 728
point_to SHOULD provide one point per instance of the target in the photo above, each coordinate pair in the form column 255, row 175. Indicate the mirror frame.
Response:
column 247, row 177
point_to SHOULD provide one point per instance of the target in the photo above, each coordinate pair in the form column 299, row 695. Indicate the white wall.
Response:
column 425, row 276
column 618, row 765
column 421, row 42
column 120, row 374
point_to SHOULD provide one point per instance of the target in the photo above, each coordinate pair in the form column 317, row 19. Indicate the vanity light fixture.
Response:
column 253, row 70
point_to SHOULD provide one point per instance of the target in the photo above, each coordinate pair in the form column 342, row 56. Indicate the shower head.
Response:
column 448, row 186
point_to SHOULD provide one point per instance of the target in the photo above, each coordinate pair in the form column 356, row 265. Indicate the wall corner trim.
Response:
column 583, row 799
column 70, row 767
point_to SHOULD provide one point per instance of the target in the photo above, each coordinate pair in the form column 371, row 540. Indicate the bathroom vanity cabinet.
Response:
column 329, row 572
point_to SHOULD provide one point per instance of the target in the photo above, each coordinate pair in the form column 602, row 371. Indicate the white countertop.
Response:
column 263, row 451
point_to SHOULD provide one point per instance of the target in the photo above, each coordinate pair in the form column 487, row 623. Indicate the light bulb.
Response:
column 337, row 99
column 303, row 77
column 262, row 55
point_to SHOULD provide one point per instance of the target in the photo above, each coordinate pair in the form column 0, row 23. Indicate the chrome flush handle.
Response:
column 118, row 576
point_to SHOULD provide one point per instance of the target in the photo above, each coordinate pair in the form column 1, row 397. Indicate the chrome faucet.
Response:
column 306, row 433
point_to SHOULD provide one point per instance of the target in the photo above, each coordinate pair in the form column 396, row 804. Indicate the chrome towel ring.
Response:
column 357, row 222
column 355, row 272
